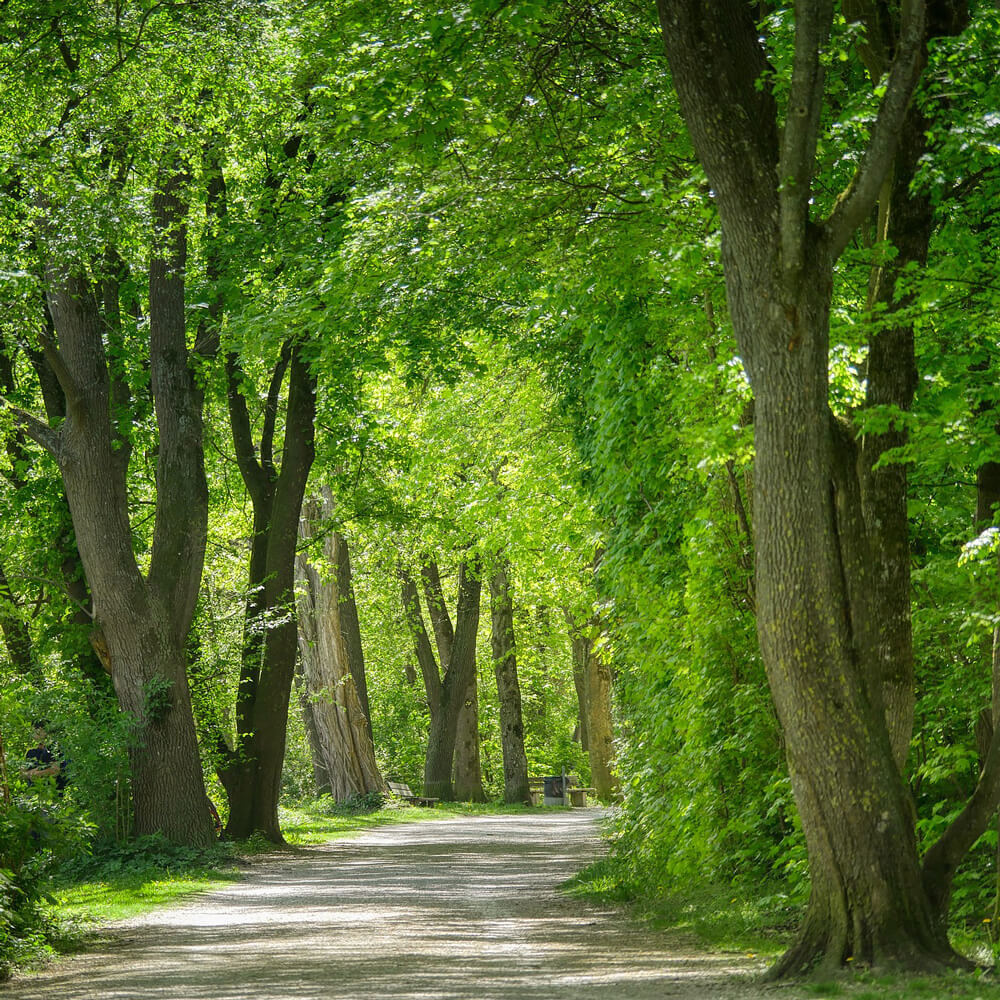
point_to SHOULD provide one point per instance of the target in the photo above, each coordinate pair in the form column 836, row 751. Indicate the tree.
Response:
column 329, row 643
column 251, row 772
column 515, row 762
column 447, row 689
column 844, row 720
column 144, row 617
column 593, row 682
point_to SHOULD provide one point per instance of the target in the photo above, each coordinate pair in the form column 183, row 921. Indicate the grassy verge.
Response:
column 760, row 924
column 719, row 917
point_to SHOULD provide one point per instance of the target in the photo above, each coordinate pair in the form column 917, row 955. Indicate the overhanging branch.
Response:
column 947, row 853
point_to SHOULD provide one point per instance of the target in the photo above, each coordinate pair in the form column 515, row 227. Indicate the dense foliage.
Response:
column 483, row 229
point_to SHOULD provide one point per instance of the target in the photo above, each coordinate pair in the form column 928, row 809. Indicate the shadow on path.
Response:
column 459, row 908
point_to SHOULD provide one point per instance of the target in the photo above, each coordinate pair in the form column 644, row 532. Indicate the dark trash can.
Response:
column 555, row 791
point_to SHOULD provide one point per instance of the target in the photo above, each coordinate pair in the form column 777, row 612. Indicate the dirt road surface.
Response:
column 465, row 908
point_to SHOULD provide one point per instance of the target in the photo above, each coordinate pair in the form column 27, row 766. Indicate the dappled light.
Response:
column 458, row 908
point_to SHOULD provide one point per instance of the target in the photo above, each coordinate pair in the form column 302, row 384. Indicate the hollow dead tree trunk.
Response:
column 446, row 689
column 515, row 761
column 340, row 736
column 144, row 619
column 818, row 625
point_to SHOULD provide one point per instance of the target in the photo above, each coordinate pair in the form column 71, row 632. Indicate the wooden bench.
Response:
column 577, row 794
column 401, row 790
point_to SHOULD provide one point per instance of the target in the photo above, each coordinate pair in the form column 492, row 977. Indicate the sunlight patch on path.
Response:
column 465, row 908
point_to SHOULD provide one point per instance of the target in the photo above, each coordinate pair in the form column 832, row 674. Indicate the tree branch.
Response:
column 717, row 64
column 857, row 200
column 36, row 429
column 68, row 384
column 421, row 643
column 813, row 19
column 444, row 633
column 944, row 856
column 239, row 419
column 271, row 410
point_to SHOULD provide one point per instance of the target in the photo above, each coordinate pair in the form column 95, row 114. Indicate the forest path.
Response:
column 465, row 908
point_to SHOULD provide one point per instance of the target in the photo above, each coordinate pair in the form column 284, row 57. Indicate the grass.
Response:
column 760, row 923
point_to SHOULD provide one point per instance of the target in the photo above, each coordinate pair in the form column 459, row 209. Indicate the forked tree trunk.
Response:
column 840, row 689
column 515, row 762
column 340, row 738
column 145, row 620
column 457, row 648
column 251, row 772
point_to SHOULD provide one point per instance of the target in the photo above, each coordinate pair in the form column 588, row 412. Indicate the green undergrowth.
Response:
column 759, row 922
column 867, row 985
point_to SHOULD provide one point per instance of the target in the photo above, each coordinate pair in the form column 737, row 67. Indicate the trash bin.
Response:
column 555, row 791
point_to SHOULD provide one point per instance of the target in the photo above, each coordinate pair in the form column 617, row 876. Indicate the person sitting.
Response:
column 41, row 762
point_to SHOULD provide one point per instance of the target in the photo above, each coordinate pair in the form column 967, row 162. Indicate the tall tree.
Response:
column 337, row 723
column 593, row 683
column 251, row 770
column 446, row 688
column 515, row 762
column 839, row 701
column 144, row 617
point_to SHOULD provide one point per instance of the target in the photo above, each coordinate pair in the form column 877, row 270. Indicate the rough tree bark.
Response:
column 144, row 619
column 446, row 689
column 16, row 632
column 351, row 625
column 467, row 773
column 515, row 761
column 251, row 770
column 820, row 635
column 594, row 692
column 340, row 736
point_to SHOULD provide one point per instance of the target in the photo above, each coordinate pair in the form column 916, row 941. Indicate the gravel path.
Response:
column 464, row 908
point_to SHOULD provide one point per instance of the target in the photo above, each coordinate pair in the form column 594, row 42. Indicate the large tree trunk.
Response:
column 467, row 775
column 144, row 620
column 594, row 695
column 867, row 901
column 822, row 642
column 340, row 738
column 350, row 625
column 457, row 677
column 252, row 772
column 515, row 762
